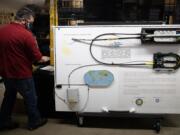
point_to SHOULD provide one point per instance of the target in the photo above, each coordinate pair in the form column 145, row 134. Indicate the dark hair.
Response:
column 24, row 13
column 35, row 8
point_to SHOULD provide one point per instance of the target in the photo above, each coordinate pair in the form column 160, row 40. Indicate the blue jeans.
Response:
column 26, row 88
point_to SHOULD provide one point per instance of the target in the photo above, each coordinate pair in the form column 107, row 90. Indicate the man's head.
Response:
column 25, row 16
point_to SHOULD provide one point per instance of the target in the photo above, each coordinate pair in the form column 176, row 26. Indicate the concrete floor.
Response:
column 94, row 126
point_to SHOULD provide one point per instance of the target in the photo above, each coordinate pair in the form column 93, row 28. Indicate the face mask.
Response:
column 29, row 26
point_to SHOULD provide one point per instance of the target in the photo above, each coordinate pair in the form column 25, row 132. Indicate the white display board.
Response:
column 134, row 89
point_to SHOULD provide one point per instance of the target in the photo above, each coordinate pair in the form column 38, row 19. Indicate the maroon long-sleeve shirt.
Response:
column 18, row 50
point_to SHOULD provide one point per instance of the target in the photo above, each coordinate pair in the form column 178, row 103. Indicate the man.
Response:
column 18, row 51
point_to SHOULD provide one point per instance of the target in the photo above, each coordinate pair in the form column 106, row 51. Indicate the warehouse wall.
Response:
column 15, row 4
column 6, row 15
column 8, row 8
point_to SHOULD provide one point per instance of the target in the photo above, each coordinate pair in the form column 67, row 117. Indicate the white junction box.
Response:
column 165, row 33
column 73, row 95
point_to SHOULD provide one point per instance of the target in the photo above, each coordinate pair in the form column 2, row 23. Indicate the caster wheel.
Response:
column 157, row 127
column 80, row 121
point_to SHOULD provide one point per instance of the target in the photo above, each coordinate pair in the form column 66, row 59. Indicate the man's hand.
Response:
column 44, row 59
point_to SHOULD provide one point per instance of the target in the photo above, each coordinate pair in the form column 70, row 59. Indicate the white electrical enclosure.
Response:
column 136, row 89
